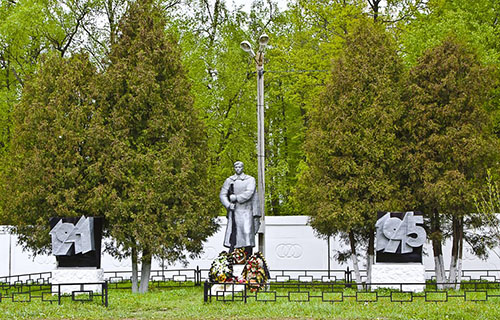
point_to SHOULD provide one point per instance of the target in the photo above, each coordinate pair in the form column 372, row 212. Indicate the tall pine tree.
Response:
column 352, row 145
column 448, row 143
column 162, row 203
column 48, row 169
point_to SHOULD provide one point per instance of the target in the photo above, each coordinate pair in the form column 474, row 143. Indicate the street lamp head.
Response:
column 263, row 40
column 245, row 45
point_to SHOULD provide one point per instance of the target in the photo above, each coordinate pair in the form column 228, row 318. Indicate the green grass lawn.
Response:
column 187, row 303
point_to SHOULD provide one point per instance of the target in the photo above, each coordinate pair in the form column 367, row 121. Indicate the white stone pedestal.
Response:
column 79, row 277
column 228, row 289
column 389, row 275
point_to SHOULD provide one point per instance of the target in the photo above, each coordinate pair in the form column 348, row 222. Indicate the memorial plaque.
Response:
column 400, row 236
column 76, row 242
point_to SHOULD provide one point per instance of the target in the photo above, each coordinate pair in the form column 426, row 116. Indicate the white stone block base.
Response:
column 76, row 275
column 238, row 270
column 389, row 275
column 228, row 289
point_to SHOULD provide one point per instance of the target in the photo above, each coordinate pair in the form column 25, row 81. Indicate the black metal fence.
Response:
column 30, row 278
column 19, row 291
column 299, row 275
column 289, row 285
column 347, row 275
column 466, row 275
column 335, row 292
column 165, row 278
column 339, row 285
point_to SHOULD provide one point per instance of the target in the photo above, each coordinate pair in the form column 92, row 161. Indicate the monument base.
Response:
column 391, row 275
column 74, row 280
column 230, row 288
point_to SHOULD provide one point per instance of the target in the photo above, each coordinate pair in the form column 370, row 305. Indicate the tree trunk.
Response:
column 354, row 258
column 457, row 253
column 454, row 253
column 371, row 256
column 460, row 259
column 135, row 282
column 437, row 249
column 145, row 271
column 439, row 269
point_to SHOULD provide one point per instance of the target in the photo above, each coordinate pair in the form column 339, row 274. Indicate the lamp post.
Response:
column 259, row 63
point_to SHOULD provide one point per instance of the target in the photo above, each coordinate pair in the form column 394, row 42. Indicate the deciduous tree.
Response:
column 305, row 38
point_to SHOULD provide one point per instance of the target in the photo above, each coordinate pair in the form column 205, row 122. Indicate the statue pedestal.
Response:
column 403, row 276
column 238, row 270
column 75, row 280
column 230, row 288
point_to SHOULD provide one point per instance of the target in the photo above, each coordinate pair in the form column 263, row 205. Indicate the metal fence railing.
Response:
column 166, row 278
column 54, row 293
column 29, row 278
column 291, row 285
column 335, row 292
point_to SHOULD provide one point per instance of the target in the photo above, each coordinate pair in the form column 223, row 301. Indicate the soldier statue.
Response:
column 238, row 196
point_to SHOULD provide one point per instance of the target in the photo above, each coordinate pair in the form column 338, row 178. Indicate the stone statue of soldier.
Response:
column 238, row 196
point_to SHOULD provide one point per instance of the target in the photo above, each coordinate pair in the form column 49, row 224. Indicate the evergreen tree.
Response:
column 161, row 200
column 352, row 145
column 448, row 143
column 48, row 167
column 473, row 22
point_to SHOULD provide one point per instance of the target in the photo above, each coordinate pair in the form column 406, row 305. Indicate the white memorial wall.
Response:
column 291, row 244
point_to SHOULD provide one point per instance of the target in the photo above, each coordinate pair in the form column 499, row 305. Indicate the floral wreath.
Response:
column 239, row 256
column 256, row 272
column 221, row 269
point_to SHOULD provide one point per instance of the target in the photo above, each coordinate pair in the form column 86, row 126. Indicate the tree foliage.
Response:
column 352, row 145
column 448, row 127
column 224, row 92
column 29, row 29
column 302, row 41
column 156, row 183
column 474, row 22
column 449, row 145
column 305, row 38
column 49, row 161
column 126, row 144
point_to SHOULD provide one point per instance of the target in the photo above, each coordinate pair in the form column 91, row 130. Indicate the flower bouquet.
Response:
column 221, row 269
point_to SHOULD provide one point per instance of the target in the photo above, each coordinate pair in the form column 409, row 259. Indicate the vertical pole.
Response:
column 199, row 275
column 205, row 291
column 261, row 151
column 245, row 293
column 106, row 301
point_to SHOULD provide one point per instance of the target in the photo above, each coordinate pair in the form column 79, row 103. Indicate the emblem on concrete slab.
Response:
column 400, row 236
column 76, row 242
column 289, row 250
column 79, row 236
